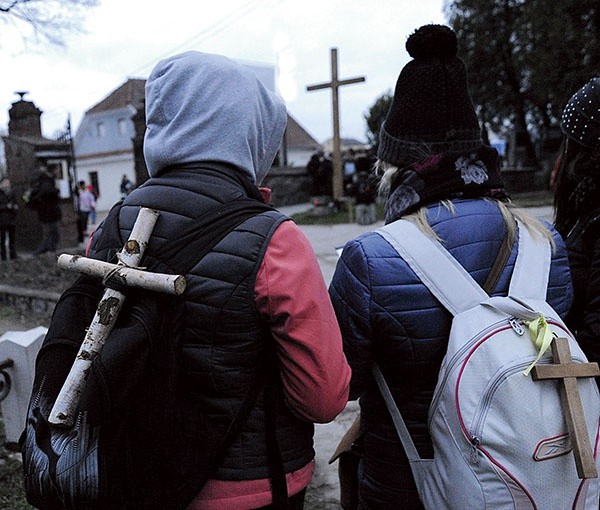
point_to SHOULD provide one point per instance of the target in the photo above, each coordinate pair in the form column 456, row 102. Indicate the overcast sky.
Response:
column 125, row 38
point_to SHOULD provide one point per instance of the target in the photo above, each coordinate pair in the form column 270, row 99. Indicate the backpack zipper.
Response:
column 481, row 411
column 513, row 322
column 475, row 438
column 516, row 324
column 448, row 368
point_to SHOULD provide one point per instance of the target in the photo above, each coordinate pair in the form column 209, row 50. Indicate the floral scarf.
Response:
column 444, row 176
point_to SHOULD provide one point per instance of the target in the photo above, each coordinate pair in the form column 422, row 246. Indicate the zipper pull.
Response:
column 516, row 325
column 475, row 442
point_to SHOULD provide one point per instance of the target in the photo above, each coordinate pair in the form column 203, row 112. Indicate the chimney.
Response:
column 24, row 118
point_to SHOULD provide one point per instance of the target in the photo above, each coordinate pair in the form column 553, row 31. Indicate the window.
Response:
column 101, row 129
column 122, row 126
column 94, row 182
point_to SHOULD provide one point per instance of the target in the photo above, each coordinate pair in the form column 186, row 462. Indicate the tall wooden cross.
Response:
column 567, row 372
column 334, row 85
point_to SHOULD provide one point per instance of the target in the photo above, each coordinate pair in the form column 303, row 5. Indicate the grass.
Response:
column 333, row 218
column 12, row 494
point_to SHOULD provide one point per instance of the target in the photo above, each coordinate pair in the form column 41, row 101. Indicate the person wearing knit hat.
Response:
column 576, row 183
column 436, row 172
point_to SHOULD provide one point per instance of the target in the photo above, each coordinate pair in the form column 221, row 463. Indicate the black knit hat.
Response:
column 581, row 117
column 432, row 111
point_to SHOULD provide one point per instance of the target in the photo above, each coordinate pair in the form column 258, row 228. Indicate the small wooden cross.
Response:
column 568, row 372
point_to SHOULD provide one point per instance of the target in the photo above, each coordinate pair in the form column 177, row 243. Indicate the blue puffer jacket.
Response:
column 386, row 315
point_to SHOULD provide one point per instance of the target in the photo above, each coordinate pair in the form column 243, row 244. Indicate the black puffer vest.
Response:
column 225, row 341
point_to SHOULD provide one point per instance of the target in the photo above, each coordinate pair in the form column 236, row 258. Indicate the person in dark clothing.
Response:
column 213, row 131
column 364, row 191
column 325, row 176
column 437, row 172
column 577, row 211
column 126, row 186
column 8, row 220
column 312, row 169
column 45, row 199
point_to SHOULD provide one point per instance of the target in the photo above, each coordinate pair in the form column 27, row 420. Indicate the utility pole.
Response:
column 334, row 85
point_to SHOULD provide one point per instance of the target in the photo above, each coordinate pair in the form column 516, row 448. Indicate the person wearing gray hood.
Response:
column 213, row 131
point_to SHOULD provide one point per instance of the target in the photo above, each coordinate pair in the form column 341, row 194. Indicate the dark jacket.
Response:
column 45, row 198
column 225, row 341
column 583, row 244
column 8, row 209
column 203, row 109
column 386, row 315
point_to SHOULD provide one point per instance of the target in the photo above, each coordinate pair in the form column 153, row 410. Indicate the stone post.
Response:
column 20, row 348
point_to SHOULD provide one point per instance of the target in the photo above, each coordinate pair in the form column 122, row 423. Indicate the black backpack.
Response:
column 139, row 441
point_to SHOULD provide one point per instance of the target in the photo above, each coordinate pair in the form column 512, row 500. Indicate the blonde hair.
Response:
column 510, row 212
column 386, row 172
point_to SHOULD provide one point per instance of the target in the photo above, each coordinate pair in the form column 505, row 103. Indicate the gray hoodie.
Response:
column 202, row 107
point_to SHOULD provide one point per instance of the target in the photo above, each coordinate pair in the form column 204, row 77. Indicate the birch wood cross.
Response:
column 567, row 373
column 126, row 272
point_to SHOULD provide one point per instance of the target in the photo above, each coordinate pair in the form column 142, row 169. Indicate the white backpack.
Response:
column 500, row 438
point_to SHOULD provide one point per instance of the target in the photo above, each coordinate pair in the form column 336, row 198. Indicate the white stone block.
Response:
column 21, row 347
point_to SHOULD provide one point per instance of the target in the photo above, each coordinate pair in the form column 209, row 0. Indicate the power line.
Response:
column 212, row 30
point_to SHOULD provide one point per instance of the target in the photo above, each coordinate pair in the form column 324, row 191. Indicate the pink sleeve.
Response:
column 291, row 292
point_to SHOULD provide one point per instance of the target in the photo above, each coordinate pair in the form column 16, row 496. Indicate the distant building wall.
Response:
column 289, row 185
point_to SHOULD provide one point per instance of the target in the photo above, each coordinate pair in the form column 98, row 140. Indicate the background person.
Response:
column 8, row 220
column 365, row 192
column 86, row 203
column 437, row 171
column 126, row 186
column 92, row 216
column 577, row 211
column 45, row 199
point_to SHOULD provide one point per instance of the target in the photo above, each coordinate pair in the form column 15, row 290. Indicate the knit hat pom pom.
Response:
column 432, row 41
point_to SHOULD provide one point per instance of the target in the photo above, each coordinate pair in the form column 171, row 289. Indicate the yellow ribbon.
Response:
column 542, row 337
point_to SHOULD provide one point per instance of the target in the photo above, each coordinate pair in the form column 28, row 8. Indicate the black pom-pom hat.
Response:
column 581, row 117
column 432, row 111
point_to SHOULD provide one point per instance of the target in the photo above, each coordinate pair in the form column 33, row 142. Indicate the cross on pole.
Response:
column 567, row 372
column 334, row 85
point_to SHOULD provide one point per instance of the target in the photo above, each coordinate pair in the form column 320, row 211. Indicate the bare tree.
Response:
column 45, row 21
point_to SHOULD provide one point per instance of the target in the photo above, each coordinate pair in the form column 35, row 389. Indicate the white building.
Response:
column 103, row 143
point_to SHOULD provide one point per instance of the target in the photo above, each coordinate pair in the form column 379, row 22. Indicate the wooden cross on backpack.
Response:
column 568, row 372
column 126, row 273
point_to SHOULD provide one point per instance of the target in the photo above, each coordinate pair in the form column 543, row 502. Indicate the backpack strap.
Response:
column 195, row 241
column 499, row 264
column 409, row 446
column 532, row 267
column 443, row 274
